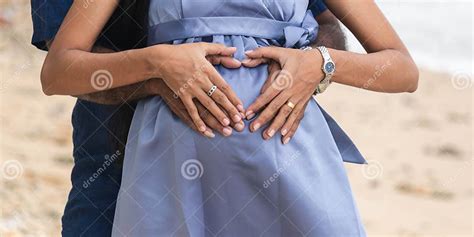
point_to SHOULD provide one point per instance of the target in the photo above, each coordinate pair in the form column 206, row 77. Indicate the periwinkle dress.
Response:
column 178, row 183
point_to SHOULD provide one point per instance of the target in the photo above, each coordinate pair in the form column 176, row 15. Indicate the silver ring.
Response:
column 212, row 90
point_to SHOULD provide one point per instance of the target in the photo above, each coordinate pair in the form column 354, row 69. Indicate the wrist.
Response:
column 315, row 63
column 337, row 58
column 153, row 57
column 153, row 86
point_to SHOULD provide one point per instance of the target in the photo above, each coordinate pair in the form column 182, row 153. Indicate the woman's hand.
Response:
column 287, row 92
column 187, row 70
column 158, row 87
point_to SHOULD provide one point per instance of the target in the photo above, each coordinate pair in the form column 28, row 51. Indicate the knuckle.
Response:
column 225, row 87
column 207, row 103
column 286, row 111
column 219, row 97
column 273, row 107
column 297, row 111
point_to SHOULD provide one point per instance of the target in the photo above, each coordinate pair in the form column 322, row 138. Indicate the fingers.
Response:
column 220, row 49
column 286, row 139
column 212, row 122
column 193, row 113
column 292, row 123
column 210, row 105
column 269, row 112
column 222, row 85
column 222, row 100
column 248, row 62
column 261, row 101
column 278, row 122
column 274, row 53
column 226, row 61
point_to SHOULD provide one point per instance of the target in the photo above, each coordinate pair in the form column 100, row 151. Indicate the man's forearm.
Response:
column 118, row 95
column 330, row 32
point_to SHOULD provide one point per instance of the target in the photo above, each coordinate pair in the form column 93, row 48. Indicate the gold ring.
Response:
column 290, row 104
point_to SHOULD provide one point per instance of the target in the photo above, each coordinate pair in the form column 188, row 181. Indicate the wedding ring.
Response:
column 212, row 90
column 290, row 104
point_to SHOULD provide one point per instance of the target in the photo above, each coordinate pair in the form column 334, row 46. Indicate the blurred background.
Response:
column 419, row 178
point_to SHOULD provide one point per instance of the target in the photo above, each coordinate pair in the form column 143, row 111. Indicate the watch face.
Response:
column 329, row 67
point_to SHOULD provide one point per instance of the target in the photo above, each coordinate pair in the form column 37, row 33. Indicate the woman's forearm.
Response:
column 77, row 72
column 388, row 70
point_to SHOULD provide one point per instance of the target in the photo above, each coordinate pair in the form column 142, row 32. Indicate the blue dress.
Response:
column 178, row 183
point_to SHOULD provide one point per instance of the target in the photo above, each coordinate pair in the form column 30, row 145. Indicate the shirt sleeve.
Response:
column 47, row 16
column 317, row 6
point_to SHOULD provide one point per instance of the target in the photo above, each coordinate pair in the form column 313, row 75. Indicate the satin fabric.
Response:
column 178, row 183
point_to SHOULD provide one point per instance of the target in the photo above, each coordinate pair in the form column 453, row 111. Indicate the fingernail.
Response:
column 240, row 108
column 256, row 126
column 227, row 131
column 236, row 118
column 271, row 132
column 248, row 51
column 239, row 127
column 286, row 140
column 209, row 134
column 226, row 121
column 242, row 115
column 202, row 128
column 249, row 114
column 237, row 61
column 246, row 60
column 284, row 131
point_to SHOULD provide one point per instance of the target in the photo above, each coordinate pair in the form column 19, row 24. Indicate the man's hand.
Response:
column 159, row 87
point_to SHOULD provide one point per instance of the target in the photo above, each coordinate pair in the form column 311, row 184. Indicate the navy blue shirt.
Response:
column 317, row 6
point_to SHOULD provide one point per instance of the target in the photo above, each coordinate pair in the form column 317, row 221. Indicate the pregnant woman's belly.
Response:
column 177, row 182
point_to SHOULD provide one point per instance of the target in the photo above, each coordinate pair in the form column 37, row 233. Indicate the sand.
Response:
column 419, row 146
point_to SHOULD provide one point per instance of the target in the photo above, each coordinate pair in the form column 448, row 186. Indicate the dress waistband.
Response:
column 294, row 35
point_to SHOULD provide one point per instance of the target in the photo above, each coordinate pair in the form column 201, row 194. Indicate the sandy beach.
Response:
column 419, row 146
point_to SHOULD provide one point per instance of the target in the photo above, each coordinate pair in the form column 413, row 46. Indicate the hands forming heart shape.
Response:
column 282, row 106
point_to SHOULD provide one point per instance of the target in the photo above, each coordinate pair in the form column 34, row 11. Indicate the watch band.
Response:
column 329, row 67
column 327, row 64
